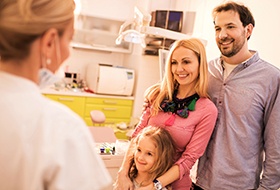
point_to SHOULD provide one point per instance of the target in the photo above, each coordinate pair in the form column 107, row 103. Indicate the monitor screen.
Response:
column 171, row 20
column 175, row 21
column 161, row 19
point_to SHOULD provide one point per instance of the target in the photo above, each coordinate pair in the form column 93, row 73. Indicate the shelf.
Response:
column 97, row 47
column 98, row 34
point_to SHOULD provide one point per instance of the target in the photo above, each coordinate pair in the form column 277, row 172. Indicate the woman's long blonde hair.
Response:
column 164, row 90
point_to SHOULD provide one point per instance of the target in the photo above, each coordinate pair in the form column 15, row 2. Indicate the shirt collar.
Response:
column 254, row 58
column 14, row 83
column 251, row 60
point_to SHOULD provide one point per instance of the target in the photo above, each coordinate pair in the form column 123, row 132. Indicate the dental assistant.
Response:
column 43, row 144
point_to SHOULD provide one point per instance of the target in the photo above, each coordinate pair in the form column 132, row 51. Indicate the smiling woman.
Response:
column 180, row 105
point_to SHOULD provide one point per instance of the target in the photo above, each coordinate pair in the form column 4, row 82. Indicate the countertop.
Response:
column 52, row 90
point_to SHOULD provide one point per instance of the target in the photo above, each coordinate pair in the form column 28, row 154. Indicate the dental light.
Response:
column 135, row 34
column 139, row 28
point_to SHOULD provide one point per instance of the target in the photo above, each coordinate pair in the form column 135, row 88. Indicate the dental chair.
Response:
column 100, row 132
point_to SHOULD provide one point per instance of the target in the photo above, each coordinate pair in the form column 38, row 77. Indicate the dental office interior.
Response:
column 104, row 82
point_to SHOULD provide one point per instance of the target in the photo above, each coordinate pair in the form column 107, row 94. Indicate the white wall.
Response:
column 80, row 58
column 147, row 74
column 110, row 9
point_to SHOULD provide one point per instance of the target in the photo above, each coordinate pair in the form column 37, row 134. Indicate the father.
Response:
column 245, row 89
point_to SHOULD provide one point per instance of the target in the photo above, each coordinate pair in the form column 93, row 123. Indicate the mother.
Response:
column 179, row 104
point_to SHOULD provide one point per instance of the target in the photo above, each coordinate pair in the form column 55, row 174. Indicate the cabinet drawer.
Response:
column 77, row 104
column 109, row 101
column 108, row 121
column 110, row 111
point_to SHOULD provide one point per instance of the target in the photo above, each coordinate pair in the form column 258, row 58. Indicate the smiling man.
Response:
column 245, row 90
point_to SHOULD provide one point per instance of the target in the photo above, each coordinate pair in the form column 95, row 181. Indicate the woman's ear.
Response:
column 48, row 48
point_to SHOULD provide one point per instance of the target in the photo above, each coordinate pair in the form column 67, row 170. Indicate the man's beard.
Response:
column 236, row 47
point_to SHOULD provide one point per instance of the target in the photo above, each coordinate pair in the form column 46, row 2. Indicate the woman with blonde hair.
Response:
column 179, row 104
column 43, row 144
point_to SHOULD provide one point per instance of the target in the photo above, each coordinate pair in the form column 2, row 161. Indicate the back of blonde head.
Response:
column 22, row 21
column 164, row 90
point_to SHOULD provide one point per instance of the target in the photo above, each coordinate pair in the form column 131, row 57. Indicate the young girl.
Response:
column 153, row 155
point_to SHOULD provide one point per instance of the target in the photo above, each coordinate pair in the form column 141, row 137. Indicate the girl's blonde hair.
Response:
column 165, row 148
column 164, row 90
column 23, row 21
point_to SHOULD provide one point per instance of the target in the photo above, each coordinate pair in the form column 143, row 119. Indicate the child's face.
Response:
column 145, row 155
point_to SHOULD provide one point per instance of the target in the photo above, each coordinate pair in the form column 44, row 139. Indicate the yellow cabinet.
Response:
column 116, row 110
column 76, row 103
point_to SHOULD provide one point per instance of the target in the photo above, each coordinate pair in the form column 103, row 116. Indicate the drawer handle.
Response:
column 109, row 122
column 106, row 157
column 110, row 109
column 109, row 102
column 66, row 99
